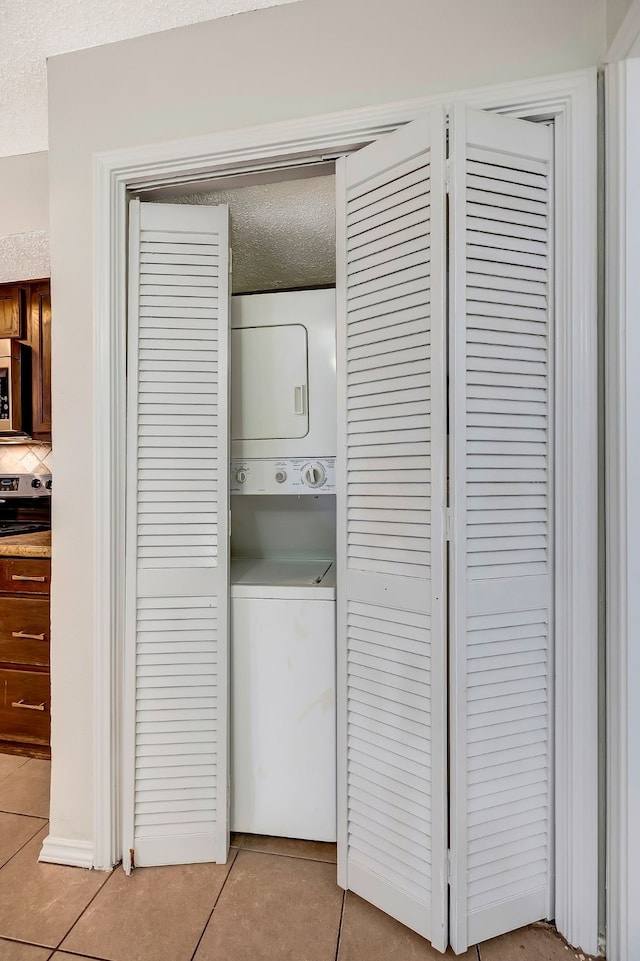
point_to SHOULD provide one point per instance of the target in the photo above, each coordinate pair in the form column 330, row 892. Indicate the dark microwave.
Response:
column 15, row 393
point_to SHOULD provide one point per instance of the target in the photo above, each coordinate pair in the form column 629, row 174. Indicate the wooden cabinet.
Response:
column 12, row 310
column 24, row 710
column 25, row 314
column 25, row 575
column 39, row 339
column 24, row 656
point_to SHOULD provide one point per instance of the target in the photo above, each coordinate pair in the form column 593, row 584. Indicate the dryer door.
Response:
column 269, row 382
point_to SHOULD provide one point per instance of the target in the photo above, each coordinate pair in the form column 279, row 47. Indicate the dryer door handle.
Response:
column 300, row 399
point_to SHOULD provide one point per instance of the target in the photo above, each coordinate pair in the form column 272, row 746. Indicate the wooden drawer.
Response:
column 24, row 707
column 25, row 575
column 24, row 630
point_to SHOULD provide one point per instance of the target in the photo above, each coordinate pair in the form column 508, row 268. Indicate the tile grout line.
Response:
column 22, row 846
column 215, row 905
column 30, row 944
column 88, row 957
column 87, row 905
column 293, row 857
column 11, row 773
column 344, row 899
column 19, row 814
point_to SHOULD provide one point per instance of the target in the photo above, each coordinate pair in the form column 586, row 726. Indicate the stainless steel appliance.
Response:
column 25, row 503
column 15, row 396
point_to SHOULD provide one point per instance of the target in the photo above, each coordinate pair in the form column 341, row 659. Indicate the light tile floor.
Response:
column 276, row 900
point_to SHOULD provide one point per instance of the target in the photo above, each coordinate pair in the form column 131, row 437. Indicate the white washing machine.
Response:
column 283, row 761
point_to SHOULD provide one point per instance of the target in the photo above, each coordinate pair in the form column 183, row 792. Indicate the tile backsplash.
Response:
column 32, row 458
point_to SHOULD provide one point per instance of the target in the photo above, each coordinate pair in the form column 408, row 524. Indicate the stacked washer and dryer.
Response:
column 283, row 445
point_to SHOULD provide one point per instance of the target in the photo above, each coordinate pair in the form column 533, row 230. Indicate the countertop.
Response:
column 26, row 545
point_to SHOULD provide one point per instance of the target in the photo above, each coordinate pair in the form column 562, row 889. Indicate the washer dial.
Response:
column 314, row 474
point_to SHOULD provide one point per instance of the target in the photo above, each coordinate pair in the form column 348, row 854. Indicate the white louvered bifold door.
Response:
column 391, row 656
column 501, row 582
column 176, row 681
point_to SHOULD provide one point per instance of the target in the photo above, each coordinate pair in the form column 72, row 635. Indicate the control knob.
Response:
column 314, row 474
column 35, row 483
column 241, row 475
column 281, row 476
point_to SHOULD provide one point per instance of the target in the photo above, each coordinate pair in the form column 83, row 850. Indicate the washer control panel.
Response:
column 295, row 475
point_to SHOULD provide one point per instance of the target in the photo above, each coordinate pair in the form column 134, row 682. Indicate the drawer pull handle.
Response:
column 26, row 577
column 28, row 707
column 31, row 637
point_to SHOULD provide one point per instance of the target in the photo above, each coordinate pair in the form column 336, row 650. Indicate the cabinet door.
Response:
column 40, row 342
column 24, row 709
column 25, row 575
column 11, row 311
column 24, row 630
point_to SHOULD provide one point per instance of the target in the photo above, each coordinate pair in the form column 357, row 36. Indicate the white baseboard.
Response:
column 78, row 854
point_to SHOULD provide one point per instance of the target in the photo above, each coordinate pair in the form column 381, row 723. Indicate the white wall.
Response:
column 294, row 60
column 24, row 217
column 24, row 193
column 38, row 29
column 616, row 12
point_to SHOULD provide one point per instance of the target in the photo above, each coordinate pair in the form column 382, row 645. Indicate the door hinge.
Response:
column 448, row 523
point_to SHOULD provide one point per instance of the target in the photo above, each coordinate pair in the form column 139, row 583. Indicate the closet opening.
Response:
column 282, row 410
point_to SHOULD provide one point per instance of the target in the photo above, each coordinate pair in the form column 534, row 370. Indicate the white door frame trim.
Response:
column 569, row 99
column 622, row 407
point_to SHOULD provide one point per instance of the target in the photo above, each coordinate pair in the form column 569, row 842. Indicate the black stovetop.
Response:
column 11, row 528
column 24, row 515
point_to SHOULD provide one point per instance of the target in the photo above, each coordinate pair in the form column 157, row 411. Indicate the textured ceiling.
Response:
column 283, row 235
column 24, row 256
column 32, row 30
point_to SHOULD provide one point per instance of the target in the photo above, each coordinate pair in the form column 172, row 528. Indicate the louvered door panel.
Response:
column 501, row 599
column 391, row 567
column 177, row 511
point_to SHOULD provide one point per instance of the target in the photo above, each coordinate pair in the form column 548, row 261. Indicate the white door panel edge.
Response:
column 571, row 101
